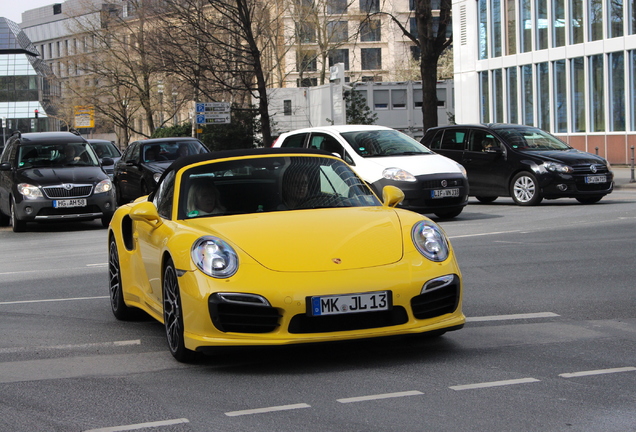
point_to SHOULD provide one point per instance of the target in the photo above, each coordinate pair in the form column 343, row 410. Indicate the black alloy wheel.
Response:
column 117, row 304
column 173, row 315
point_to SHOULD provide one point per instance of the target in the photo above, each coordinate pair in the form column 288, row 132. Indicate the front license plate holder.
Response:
column 445, row 193
column 67, row 203
column 341, row 304
column 596, row 179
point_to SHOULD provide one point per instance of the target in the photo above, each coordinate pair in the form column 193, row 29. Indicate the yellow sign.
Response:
column 84, row 117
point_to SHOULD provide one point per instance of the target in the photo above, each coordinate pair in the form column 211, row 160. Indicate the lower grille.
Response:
column 303, row 323
column 243, row 318
column 436, row 302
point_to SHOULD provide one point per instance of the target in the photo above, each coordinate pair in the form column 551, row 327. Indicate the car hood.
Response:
column 313, row 240
column 54, row 176
column 415, row 164
column 569, row 157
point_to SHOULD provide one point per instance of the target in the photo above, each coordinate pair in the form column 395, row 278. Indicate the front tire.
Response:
column 117, row 303
column 449, row 214
column 525, row 189
column 173, row 315
column 17, row 224
column 486, row 199
column 589, row 200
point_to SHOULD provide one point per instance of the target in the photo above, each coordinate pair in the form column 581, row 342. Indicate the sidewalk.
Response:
column 622, row 177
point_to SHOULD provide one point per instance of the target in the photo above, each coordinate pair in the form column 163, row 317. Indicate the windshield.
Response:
column 106, row 149
column 531, row 139
column 271, row 184
column 376, row 143
column 171, row 150
column 56, row 155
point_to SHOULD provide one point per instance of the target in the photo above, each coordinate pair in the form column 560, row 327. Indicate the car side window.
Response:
column 6, row 154
column 482, row 141
column 454, row 139
column 436, row 142
column 295, row 141
column 164, row 196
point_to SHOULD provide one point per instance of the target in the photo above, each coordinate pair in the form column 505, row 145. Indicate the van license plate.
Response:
column 444, row 193
column 595, row 179
column 69, row 203
column 350, row 303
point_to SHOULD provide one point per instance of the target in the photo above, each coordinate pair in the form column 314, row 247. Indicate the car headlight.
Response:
column 156, row 177
column 214, row 257
column 461, row 167
column 557, row 167
column 430, row 241
column 398, row 174
column 29, row 191
column 103, row 186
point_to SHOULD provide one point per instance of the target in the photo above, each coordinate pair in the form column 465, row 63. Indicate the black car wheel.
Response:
column 449, row 214
column 17, row 224
column 525, row 189
column 106, row 220
column 589, row 200
column 173, row 316
column 117, row 304
column 4, row 219
column 486, row 199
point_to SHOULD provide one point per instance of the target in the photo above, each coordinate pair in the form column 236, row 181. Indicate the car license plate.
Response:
column 595, row 179
column 69, row 203
column 444, row 193
column 350, row 303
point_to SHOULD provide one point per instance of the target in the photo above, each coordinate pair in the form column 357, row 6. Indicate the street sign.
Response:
column 213, row 112
column 84, row 117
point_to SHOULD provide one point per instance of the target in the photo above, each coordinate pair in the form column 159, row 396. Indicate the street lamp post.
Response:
column 160, row 90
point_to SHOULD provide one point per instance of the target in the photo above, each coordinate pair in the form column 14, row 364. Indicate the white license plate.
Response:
column 595, row 179
column 69, row 203
column 444, row 193
column 350, row 303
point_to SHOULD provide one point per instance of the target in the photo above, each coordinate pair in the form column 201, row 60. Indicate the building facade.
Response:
column 565, row 66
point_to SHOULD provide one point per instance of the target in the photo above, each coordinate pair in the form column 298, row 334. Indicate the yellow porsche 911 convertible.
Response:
column 278, row 246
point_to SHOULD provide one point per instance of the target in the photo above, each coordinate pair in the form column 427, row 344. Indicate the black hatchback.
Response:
column 523, row 162
column 53, row 176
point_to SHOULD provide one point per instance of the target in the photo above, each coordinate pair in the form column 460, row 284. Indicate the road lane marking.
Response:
column 512, row 317
column 53, row 300
column 140, row 425
column 494, row 384
column 99, row 266
column 380, row 396
column 597, row 372
column 70, row 346
column 267, row 410
column 483, row 234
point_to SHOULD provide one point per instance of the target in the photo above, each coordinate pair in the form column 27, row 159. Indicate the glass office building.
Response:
column 565, row 66
column 24, row 83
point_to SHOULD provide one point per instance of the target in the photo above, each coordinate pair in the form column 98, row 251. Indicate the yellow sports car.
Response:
column 278, row 246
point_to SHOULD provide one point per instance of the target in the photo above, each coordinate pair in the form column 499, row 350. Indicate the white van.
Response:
column 383, row 156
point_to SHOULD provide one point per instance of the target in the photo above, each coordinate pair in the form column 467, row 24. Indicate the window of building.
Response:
column 417, row 98
column 617, row 91
column 413, row 27
column 542, row 24
column 307, row 82
column 442, row 98
column 577, row 27
column 398, row 99
column 339, row 56
column 632, row 87
column 497, row 96
column 511, row 27
column 371, row 58
column 416, row 52
column 337, row 7
column 511, row 87
column 595, row 19
column 597, row 93
column 306, row 61
column 484, row 91
column 337, row 31
column 370, row 31
column 560, row 97
column 543, row 96
column 381, row 99
column 305, row 32
column 482, row 12
column 495, row 13
column 57, row 9
column 632, row 17
column 527, row 95
column 369, row 6
column 615, row 9
column 526, row 26
column 558, row 23
column 287, row 107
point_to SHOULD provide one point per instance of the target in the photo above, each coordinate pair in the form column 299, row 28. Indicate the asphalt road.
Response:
column 549, row 345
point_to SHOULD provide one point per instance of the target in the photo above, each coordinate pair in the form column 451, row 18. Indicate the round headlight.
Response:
column 103, row 186
column 214, row 257
column 430, row 241
column 29, row 191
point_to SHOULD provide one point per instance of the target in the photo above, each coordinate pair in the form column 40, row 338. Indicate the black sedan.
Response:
column 523, row 162
column 144, row 161
column 106, row 150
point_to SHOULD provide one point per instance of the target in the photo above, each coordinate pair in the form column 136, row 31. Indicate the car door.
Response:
column 297, row 140
column 485, row 161
column 328, row 143
column 450, row 143
column 129, row 173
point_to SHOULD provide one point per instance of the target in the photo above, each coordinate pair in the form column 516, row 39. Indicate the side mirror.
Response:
column 5, row 166
column 391, row 196
column 145, row 211
column 108, row 161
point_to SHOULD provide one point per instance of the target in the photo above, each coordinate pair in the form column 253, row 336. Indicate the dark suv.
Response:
column 522, row 162
column 53, row 176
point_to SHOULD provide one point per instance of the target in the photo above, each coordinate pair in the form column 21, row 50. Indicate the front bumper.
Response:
column 41, row 209
column 555, row 185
